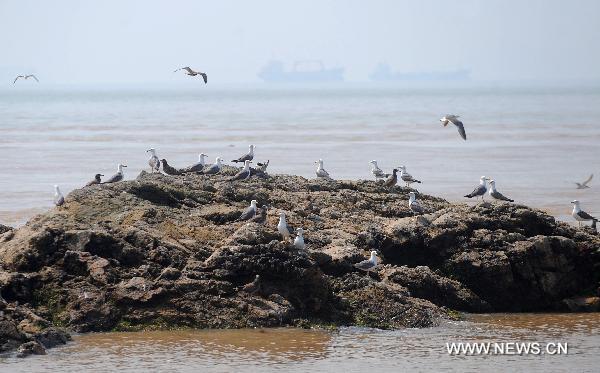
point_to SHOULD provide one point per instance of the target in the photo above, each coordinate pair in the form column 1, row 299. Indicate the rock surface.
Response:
column 167, row 251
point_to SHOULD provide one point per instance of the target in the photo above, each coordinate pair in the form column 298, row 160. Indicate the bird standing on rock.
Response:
column 59, row 199
column 497, row 195
column 215, row 168
column 580, row 215
column 283, row 228
column 168, row 169
column 261, row 215
column 153, row 161
column 262, row 166
column 392, row 179
column 191, row 72
column 246, row 157
column 376, row 171
column 299, row 240
column 480, row 190
column 413, row 204
column 249, row 212
column 198, row 166
column 368, row 265
column 321, row 171
column 406, row 177
column 454, row 120
column 120, row 175
column 97, row 180
column 244, row 173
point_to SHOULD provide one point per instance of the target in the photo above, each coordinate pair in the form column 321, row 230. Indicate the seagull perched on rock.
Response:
column 496, row 194
column 97, row 180
column 120, row 175
column 392, row 179
column 454, row 120
column 283, row 228
column 246, row 157
column 579, row 214
column 585, row 185
column 191, row 72
column 299, row 240
column 376, row 171
column 59, row 199
column 262, row 166
column 244, row 173
column 369, row 264
column 215, row 168
column 168, row 169
column 261, row 215
column 26, row 77
column 198, row 166
column 413, row 204
column 406, row 177
column 321, row 171
column 249, row 212
column 153, row 161
column 480, row 190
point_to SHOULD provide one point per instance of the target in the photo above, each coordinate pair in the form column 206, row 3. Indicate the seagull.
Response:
column 480, row 189
column 496, row 194
column 252, row 287
column 191, row 72
column 376, row 171
column 454, row 120
column 59, row 199
column 392, row 179
column 97, row 180
column 198, row 166
column 261, row 215
column 153, row 161
column 368, row 265
column 118, row 176
column 215, row 168
column 244, row 173
column 249, row 212
column 262, row 166
column 321, row 171
column 406, row 177
column 585, row 185
column 246, row 157
column 299, row 240
column 284, row 229
column 579, row 214
column 26, row 77
column 413, row 204
column 168, row 169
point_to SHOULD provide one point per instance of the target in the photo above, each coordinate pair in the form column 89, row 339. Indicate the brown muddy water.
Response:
column 344, row 350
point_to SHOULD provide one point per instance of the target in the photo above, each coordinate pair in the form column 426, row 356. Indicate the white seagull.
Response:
column 321, row 171
column 118, row 176
column 413, row 204
column 496, row 194
column 249, row 212
column 215, row 168
column 585, row 185
column 579, row 214
column 368, row 265
column 406, row 177
column 376, row 171
column 454, row 120
column 153, row 161
column 26, row 77
column 299, row 240
column 246, row 157
column 191, row 72
column 283, row 228
column 480, row 190
column 198, row 166
column 59, row 199
column 244, row 173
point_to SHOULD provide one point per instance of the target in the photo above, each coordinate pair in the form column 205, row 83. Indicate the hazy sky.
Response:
column 80, row 42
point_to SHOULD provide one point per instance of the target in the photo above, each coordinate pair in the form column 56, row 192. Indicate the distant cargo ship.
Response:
column 383, row 73
column 302, row 72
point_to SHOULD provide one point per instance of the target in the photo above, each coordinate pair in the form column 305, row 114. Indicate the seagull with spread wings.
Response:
column 26, row 77
column 585, row 185
column 450, row 118
column 191, row 72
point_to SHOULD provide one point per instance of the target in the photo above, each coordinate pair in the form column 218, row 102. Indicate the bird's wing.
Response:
column 205, row 77
column 585, row 215
column 588, row 180
column 113, row 178
column 479, row 190
column 416, row 206
column 324, row 173
column 461, row 128
column 32, row 76
column 17, row 78
column 212, row 169
column 247, row 214
column 188, row 70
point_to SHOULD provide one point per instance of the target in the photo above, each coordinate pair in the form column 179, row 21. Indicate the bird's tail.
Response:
column 510, row 200
column 417, row 181
column 469, row 196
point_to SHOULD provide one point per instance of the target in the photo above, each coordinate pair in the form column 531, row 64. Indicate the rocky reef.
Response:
column 168, row 251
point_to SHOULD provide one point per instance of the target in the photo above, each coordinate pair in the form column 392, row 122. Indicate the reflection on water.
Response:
column 347, row 350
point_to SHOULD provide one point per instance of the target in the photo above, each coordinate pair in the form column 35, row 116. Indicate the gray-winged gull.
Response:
column 368, row 265
column 168, row 169
column 250, row 212
column 261, row 215
column 376, row 171
column 454, row 120
column 406, row 177
column 191, row 72
column 585, row 185
column 198, row 166
column 496, row 194
column 321, row 171
column 299, row 240
column 246, row 157
column 413, row 204
column 153, row 161
column 59, row 199
column 580, row 215
column 26, row 77
column 214, row 168
column 120, row 175
column 97, row 180
column 480, row 190
column 244, row 173
column 262, row 166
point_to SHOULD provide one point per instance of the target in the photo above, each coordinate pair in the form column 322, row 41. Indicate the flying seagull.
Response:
column 261, row 215
column 198, row 166
column 480, row 190
column 579, row 214
column 153, row 161
column 97, row 180
column 392, row 179
column 496, row 194
column 59, row 199
column 283, row 228
column 168, row 169
column 249, row 212
column 321, row 171
column 454, row 120
column 376, row 171
column 191, row 72
column 406, row 177
column 215, row 168
column 26, row 77
column 118, row 176
column 585, row 185
column 414, row 205
column 368, row 265
column 246, row 157
column 299, row 240
column 244, row 173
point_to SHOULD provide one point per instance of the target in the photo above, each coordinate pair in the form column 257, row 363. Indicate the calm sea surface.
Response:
column 534, row 142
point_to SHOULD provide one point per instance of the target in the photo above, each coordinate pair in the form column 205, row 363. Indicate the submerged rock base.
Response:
column 168, row 251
